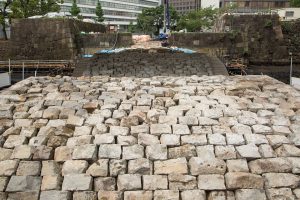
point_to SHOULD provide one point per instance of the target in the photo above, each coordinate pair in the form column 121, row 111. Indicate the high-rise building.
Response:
column 255, row 5
column 116, row 12
column 185, row 6
column 210, row 3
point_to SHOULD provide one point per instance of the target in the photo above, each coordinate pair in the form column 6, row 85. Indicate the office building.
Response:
column 255, row 5
column 116, row 12
column 185, row 6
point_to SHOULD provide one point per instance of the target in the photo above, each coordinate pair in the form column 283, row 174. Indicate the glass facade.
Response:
column 116, row 12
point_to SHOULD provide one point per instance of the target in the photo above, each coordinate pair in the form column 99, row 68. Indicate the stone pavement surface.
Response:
column 161, row 138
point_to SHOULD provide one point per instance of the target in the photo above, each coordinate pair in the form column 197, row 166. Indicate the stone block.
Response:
column 141, row 166
column 74, row 167
column 274, row 180
column 110, row 151
column 23, row 152
column 242, row 180
column 261, row 166
column 85, row 152
column 23, row 183
column 155, row 182
column 129, row 182
column 98, row 168
column 77, row 182
column 51, row 182
column 199, row 165
column 28, row 195
column 187, row 151
column 182, row 182
column 170, row 139
column 8, row 167
column 238, row 165
column 133, row 195
column 211, row 182
column 249, row 194
column 170, row 166
column 117, row 167
column 193, row 194
column 110, row 195
column 104, row 183
column 157, row 152
column 29, row 168
column 86, row 195
column 56, row 195
column 133, row 152
column 166, row 194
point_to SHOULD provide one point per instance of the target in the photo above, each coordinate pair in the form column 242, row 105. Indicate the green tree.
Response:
column 75, row 9
column 99, row 12
column 4, row 16
column 28, row 8
column 131, row 28
column 295, row 3
column 198, row 20
column 49, row 6
column 152, row 19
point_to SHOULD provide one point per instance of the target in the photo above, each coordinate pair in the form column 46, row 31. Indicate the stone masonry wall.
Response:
column 4, row 49
column 148, row 63
column 106, row 40
column 161, row 138
column 48, row 39
column 258, row 37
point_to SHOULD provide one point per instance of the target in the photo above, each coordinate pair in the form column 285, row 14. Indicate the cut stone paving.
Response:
column 161, row 138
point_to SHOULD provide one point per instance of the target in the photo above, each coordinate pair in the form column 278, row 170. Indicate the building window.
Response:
column 289, row 14
column 247, row 3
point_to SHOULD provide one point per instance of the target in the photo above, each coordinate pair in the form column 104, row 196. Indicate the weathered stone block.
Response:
column 77, row 182
column 24, row 183
column 129, row 182
column 211, row 182
column 237, row 180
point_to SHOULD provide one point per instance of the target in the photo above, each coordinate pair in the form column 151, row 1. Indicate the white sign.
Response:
column 5, row 80
column 296, row 83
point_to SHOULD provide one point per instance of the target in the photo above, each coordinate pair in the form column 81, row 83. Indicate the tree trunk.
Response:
column 4, row 31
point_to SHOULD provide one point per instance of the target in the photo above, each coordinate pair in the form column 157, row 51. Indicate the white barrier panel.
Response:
column 5, row 80
column 296, row 82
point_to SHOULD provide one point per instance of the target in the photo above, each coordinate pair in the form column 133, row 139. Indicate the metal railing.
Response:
column 37, row 63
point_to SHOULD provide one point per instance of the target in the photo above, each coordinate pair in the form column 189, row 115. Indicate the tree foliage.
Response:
column 4, row 15
column 152, row 19
column 295, row 3
column 99, row 12
column 198, row 20
column 28, row 8
column 74, row 9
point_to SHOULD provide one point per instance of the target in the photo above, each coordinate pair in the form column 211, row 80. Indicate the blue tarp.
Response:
column 109, row 51
column 87, row 55
column 184, row 50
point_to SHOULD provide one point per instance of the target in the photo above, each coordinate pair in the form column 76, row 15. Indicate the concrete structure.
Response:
column 255, row 5
column 288, row 14
column 185, row 6
column 116, row 12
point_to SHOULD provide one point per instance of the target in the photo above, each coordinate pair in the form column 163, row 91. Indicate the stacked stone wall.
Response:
column 158, row 138
column 150, row 62
column 48, row 39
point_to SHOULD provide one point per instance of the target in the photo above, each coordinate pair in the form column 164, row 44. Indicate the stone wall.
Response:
column 4, row 49
column 90, row 43
column 158, row 138
column 258, row 37
column 48, row 39
column 150, row 62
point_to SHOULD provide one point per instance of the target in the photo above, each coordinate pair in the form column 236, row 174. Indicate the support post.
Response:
column 291, row 69
column 9, row 65
column 23, row 71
